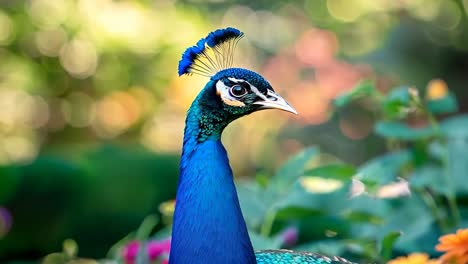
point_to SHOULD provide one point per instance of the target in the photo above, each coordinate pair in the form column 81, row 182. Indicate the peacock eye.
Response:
column 238, row 91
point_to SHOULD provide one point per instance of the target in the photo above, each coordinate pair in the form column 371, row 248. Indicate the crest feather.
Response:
column 211, row 54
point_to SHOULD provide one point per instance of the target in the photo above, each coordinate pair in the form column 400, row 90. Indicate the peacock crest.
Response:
column 211, row 54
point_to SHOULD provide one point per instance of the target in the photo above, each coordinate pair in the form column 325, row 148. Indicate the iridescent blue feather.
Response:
column 282, row 256
column 211, row 54
column 222, row 35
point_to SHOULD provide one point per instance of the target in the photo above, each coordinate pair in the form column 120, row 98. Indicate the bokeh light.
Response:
column 6, row 29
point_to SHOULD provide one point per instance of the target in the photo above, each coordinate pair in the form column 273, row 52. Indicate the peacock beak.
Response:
column 274, row 101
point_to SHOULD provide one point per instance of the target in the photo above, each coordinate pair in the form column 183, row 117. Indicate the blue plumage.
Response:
column 208, row 223
column 254, row 78
column 223, row 35
column 189, row 57
column 209, row 219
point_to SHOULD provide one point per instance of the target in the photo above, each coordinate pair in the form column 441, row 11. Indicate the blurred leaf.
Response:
column 456, row 131
column 437, row 149
column 294, row 168
column 401, row 131
column 298, row 197
column 363, row 89
column 254, row 202
column 445, row 105
column 10, row 178
column 397, row 103
column 430, row 176
column 387, row 243
column 114, row 250
column 262, row 180
column 292, row 212
column 260, row 242
column 365, row 217
column 162, row 234
column 143, row 232
column 414, row 220
column 455, row 127
column 335, row 171
column 383, row 169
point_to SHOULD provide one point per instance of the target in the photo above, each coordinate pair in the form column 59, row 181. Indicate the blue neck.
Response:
column 208, row 223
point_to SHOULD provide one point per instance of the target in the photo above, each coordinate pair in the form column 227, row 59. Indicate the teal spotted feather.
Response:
column 208, row 224
column 283, row 256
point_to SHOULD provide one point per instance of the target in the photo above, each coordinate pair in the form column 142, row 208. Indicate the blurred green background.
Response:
column 92, row 110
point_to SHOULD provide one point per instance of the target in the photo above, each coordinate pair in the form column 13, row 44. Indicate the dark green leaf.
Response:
column 10, row 178
column 387, row 243
column 363, row 217
column 293, row 212
column 334, row 171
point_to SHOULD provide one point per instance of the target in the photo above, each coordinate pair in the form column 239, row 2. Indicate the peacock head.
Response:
column 231, row 92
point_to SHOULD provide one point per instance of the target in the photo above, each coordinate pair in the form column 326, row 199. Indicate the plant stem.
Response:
column 265, row 230
column 431, row 203
column 451, row 198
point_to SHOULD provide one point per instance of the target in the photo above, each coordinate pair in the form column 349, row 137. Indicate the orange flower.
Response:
column 455, row 247
column 436, row 89
column 414, row 258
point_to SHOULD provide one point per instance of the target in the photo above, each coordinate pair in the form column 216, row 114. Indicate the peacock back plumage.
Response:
column 283, row 256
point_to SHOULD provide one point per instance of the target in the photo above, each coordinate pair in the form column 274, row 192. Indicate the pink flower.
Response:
column 156, row 248
column 290, row 236
column 130, row 252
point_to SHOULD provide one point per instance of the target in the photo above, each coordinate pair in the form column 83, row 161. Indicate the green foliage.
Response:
column 401, row 131
column 379, row 219
column 83, row 197
column 361, row 90
column 333, row 171
column 387, row 244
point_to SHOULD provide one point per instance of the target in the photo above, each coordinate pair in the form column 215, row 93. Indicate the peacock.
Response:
column 208, row 225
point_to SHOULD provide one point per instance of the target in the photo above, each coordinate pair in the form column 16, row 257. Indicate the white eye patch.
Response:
column 223, row 91
column 253, row 88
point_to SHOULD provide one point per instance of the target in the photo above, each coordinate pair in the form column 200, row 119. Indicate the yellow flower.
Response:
column 414, row 258
column 455, row 247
